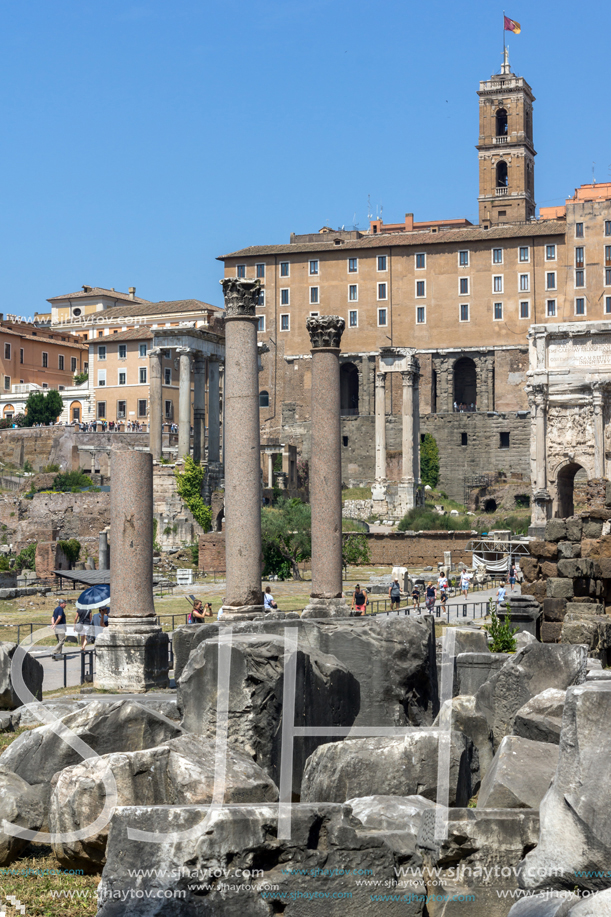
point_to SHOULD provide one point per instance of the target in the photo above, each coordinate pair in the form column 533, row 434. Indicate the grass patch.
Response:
column 356, row 493
column 7, row 737
column 36, row 876
column 425, row 519
column 353, row 525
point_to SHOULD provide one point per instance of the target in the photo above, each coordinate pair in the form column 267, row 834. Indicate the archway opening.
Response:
column 501, row 174
column 465, row 384
column 566, row 488
column 490, row 505
column 349, row 389
column 501, row 123
column 263, row 399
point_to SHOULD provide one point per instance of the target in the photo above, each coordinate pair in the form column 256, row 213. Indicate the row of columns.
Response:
column 187, row 356
column 410, row 430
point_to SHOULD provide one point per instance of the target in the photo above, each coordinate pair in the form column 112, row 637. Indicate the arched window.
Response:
column 465, row 384
column 263, row 399
column 501, row 174
column 501, row 123
column 529, row 177
column 566, row 484
column 349, row 388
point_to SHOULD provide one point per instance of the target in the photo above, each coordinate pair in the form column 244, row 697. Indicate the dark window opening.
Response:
column 501, row 174
column 434, row 392
column 465, row 383
column 490, row 505
column 345, row 440
column 522, row 500
column 464, row 439
column 504, row 441
column 349, row 389
column 422, row 435
column 263, row 399
column 501, row 123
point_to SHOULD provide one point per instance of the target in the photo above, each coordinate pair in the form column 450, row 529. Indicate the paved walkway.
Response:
column 475, row 603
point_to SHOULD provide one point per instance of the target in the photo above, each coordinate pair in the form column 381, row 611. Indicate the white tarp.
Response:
column 492, row 566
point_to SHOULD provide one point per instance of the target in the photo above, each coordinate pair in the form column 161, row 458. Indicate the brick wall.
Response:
column 212, row 552
column 49, row 557
column 419, row 549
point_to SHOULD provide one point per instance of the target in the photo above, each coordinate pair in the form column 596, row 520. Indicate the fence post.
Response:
column 65, row 659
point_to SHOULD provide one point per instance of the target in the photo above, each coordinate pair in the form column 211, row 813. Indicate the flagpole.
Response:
column 503, row 36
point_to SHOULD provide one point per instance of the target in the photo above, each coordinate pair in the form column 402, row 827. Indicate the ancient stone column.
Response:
column 541, row 500
column 408, row 427
column 599, row 430
column 416, row 423
column 379, row 489
column 132, row 653
column 213, row 410
column 326, row 470
column 242, row 459
column 184, row 402
column 103, row 551
column 155, row 406
column 199, row 406
column 270, row 470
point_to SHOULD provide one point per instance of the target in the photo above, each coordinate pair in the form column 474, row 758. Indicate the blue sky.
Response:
column 142, row 139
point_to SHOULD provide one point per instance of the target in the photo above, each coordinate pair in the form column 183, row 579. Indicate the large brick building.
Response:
column 464, row 296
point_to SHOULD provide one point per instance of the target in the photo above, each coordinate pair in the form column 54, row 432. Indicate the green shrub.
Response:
column 72, row 549
column 424, row 519
column 429, row 460
column 502, row 634
column 194, row 548
column 5, row 565
column 71, row 482
column 27, row 466
column 189, row 483
column 49, row 469
column 80, row 378
column 26, row 559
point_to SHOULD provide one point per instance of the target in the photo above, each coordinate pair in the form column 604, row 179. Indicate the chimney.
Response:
column 132, row 292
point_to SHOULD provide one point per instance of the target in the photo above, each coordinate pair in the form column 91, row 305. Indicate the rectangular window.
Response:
column 123, row 378
column 314, row 296
column 260, row 270
column 101, row 351
column 122, row 351
column 85, row 367
column 73, row 364
column 261, row 325
column 608, row 255
column 524, row 253
column 285, row 323
column 580, row 306
column 421, row 288
column 579, row 230
column 579, row 256
column 608, row 277
column 60, row 361
column 141, row 407
column 45, row 360
column 497, row 284
column 497, row 255
column 504, row 441
column 353, row 292
column 381, row 291
column 169, row 410
column 420, row 261
column 382, row 317
column 353, row 265
column 550, row 252
column 524, row 309
column 314, row 315
column 381, row 262
column 101, row 410
column 7, row 351
column 464, row 312
column 142, row 375
column 463, row 286
column 7, row 383
column 580, row 278
column 121, row 406
column 142, row 350
column 463, row 259
column 285, row 297
column 21, row 355
column 167, row 373
column 551, row 308
column 260, row 298
column 608, row 305
column 313, row 268
column 464, row 439
column 524, row 283
column 498, row 311
column 608, row 227
column 353, row 318
column 101, row 377
column 284, row 269
column 420, row 315
column 550, row 280
column 240, row 270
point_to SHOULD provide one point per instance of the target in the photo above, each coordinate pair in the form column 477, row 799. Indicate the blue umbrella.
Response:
column 94, row 597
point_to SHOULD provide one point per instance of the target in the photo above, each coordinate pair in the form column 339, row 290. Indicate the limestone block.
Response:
column 179, row 773
column 540, row 719
column 470, row 640
column 598, row 905
column 554, row 609
column 549, row 569
column 568, row 550
column 544, row 550
column 574, row 527
column 604, row 567
column 20, row 804
column 543, row 905
column 473, row 669
column 592, row 630
column 551, row 631
column 523, row 638
column 555, row 530
column 604, row 546
column 520, row 775
column 528, row 673
column 539, row 589
column 574, row 848
column 399, row 816
column 585, row 608
column 579, row 567
column 592, row 528
column 402, row 766
column 558, row 588
column 460, row 714
column 125, row 726
column 590, row 547
column 31, row 670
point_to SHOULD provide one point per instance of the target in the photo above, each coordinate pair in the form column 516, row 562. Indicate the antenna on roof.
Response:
column 593, row 179
column 369, row 213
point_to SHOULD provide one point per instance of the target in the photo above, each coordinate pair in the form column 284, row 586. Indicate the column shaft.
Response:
column 213, row 411
column 131, row 532
column 199, row 406
column 184, row 404
column 270, row 470
column 541, row 475
column 155, row 418
column 380, row 427
column 408, row 428
column 599, row 434
column 416, row 431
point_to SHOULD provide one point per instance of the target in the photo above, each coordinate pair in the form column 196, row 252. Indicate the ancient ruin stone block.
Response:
column 559, row 588
column 530, row 569
column 549, row 569
column 539, row 589
column 554, row 609
column 585, row 608
column 520, row 775
column 592, row 630
column 581, row 566
column 603, row 565
column 544, row 550
column 555, row 530
column 550, row 632
column 569, row 549
column 592, row 528
column 574, row 527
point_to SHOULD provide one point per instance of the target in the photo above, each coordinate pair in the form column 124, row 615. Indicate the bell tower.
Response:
column 506, row 151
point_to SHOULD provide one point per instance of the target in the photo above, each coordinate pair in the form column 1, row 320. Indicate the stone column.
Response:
column 416, row 446
column 598, row 400
column 270, row 470
column 541, row 500
column 326, row 470
column 213, row 411
column 184, row 402
column 155, row 405
column 199, row 406
column 408, row 427
column 103, row 552
column 133, row 652
column 242, row 458
column 379, row 489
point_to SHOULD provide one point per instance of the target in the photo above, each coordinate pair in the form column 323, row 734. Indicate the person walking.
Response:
column 359, row 601
column 58, row 623
column 501, row 597
column 416, row 598
column 512, row 576
column 431, row 595
column 82, row 620
column 394, row 594
column 464, row 583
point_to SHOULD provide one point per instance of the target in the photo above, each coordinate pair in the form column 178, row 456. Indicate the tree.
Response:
column 71, row 481
column 189, row 483
column 43, row 409
column 286, row 531
column 429, row 460
column 72, row 550
column 355, row 550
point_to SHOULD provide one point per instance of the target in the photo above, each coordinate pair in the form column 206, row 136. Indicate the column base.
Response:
column 132, row 656
column 241, row 613
column 326, row 608
column 407, row 496
column 378, row 491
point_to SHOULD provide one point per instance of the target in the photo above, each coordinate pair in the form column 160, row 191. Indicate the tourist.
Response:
column 82, row 620
column 394, row 594
column 100, row 619
column 58, row 623
column 268, row 599
column 416, row 598
column 512, row 576
column 501, row 596
column 464, row 583
column 444, row 599
column 442, row 582
column 200, row 612
column 359, row 602
column 431, row 595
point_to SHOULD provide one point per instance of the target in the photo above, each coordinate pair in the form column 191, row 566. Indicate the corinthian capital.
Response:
column 325, row 330
column 240, row 297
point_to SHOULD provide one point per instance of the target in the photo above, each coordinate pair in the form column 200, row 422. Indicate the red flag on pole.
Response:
column 512, row 26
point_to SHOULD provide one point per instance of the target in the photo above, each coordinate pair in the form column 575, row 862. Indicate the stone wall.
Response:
column 357, row 509
column 49, row 557
column 176, row 525
column 212, row 552
column 418, row 549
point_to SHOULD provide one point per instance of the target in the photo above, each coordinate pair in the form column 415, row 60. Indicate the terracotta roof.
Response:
column 97, row 291
column 70, row 340
column 419, row 239
column 134, row 334
column 155, row 308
